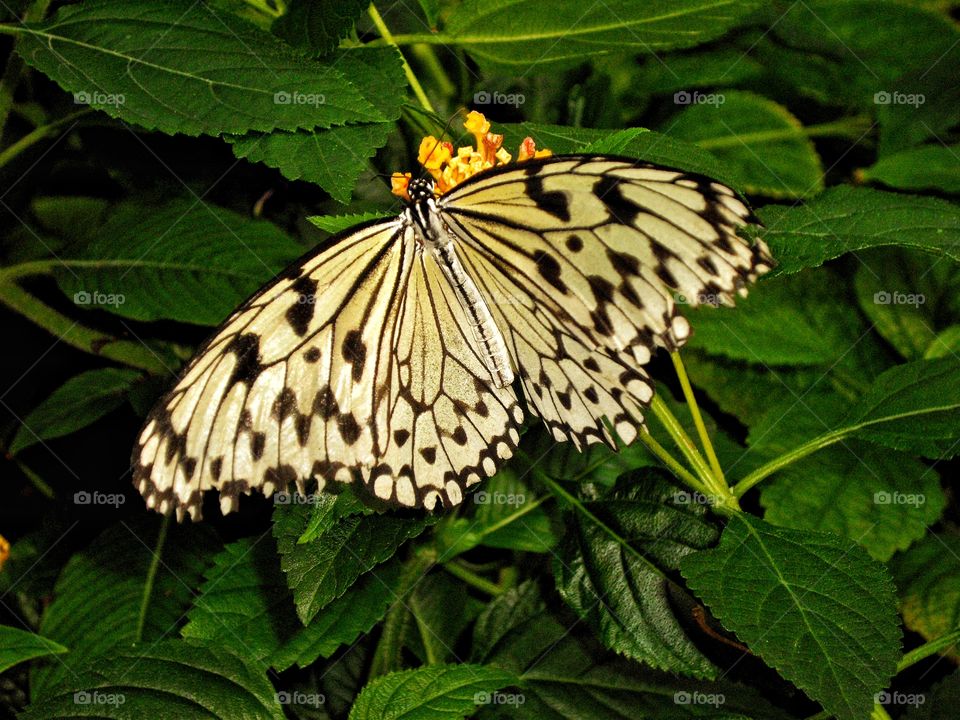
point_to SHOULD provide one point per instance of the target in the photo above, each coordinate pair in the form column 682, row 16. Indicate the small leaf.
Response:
column 431, row 692
column 846, row 219
column 621, row 585
column 322, row 570
column 17, row 646
column 338, row 223
column 184, row 68
column 928, row 167
column 318, row 25
column 168, row 680
column 928, row 577
column 945, row 344
column 759, row 140
column 507, row 34
column 812, row 605
column 184, row 261
column 79, row 402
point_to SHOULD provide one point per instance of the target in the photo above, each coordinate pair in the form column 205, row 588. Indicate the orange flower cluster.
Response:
column 449, row 169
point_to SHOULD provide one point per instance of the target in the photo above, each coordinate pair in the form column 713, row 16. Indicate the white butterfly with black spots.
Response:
column 392, row 355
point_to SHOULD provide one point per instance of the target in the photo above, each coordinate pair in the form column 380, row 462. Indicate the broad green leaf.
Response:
column 169, row 680
column 504, row 517
column 928, row 167
column 334, row 158
column 928, row 578
column 510, row 34
column 619, row 579
column 72, row 217
column 99, row 599
column 183, row 261
column 431, row 692
column 245, row 605
column 440, row 611
column 812, row 605
column 565, row 675
column 883, row 499
column 679, row 74
column 764, row 146
column 328, row 508
column 908, row 121
column 318, row 25
column 185, row 68
column 80, row 401
column 800, row 320
column 17, row 646
column 320, row 571
column 945, row 344
column 912, row 407
column 338, row 223
column 846, row 219
column 904, row 294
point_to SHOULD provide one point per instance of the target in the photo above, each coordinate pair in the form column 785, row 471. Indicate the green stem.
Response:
column 847, row 127
column 798, row 453
column 697, row 417
column 38, row 482
column 928, row 649
column 426, row 55
column 411, row 77
column 671, row 462
column 79, row 336
column 151, row 577
column 436, row 38
column 15, row 65
column 38, row 134
column 387, row 656
column 457, row 569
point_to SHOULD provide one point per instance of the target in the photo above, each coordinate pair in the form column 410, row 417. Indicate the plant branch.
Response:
column 408, row 71
column 697, row 417
column 151, row 577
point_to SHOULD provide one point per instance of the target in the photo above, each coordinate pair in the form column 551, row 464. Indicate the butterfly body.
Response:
column 388, row 356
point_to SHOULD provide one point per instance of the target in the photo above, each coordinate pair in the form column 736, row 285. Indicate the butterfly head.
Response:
column 420, row 189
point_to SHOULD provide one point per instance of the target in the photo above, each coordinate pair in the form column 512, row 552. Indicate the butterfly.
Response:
column 394, row 355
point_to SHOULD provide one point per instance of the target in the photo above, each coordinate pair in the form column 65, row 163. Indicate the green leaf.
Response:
column 17, row 646
column 318, row 25
column 169, row 680
column 945, row 344
column 621, row 583
column 183, row 261
column 184, row 68
column 905, row 124
column 912, row 407
column 504, row 519
column 432, row 692
column 335, row 158
column 338, row 223
column 440, row 613
column 846, row 219
column 880, row 498
column 929, row 167
column 322, row 570
column 812, row 605
column 565, row 675
column 763, row 144
column 928, row 577
column 99, row 597
column 71, row 217
column 80, row 401
column 245, row 605
column 509, row 34
column 800, row 320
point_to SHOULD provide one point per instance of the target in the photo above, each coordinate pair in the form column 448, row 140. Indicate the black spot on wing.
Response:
column 247, row 349
column 301, row 312
column 554, row 202
column 354, row 351
column 549, row 270
column 609, row 191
